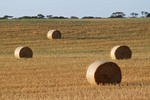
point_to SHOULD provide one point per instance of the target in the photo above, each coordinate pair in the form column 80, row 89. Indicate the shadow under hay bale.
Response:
column 103, row 72
column 23, row 52
column 54, row 34
column 121, row 52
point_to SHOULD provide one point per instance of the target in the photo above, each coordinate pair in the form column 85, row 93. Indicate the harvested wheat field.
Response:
column 58, row 69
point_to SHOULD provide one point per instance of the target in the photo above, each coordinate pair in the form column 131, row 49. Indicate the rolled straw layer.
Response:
column 54, row 34
column 23, row 52
column 103, row 72
column 121, row 52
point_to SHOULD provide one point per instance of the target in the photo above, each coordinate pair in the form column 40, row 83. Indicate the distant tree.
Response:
column 61, row 17
column 33, row 17
column 1, row 18
column 55, row 17
column 28, row 17
column 7, row 17
column 25, row 17
column 40, row 16
column 97, row 17
column 134, row 15
column 88, row 17
column 144, row 14
column 117, row 15
column 49, row 16
column 148, row 15
column 74, row 17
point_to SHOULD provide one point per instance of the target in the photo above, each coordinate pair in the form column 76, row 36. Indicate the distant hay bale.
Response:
column 54, row 34
column 103, row 72
column 121, row 52
column 23, row 52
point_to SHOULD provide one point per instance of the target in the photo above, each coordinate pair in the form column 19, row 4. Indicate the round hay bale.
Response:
column 103, row 72
column 23, row 52
column 54, row 34
column 121, row 52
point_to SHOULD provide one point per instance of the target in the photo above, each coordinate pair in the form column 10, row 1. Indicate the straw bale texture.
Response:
column 103, row 72
column 121, row 52
column 23, row 52
column 54, row 34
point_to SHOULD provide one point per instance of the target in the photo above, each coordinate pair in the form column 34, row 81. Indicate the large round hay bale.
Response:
column 103, row 72
column 121, row 52
column 54, row 34
column 23, row 52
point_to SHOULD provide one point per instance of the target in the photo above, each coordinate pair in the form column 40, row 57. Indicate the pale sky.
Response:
column 67, row 8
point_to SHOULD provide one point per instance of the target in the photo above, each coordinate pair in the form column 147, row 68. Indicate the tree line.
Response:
column 133, row 14
column 113, row 15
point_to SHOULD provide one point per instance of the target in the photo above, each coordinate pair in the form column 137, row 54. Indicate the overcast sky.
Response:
column 67, row 8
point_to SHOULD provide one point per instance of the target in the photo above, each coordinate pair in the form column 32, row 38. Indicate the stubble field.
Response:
column 58, row 68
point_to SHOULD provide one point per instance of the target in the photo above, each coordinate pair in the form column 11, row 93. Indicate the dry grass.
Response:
column 58, row 69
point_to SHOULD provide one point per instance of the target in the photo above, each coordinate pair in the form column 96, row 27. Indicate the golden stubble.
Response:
column 58, row 67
